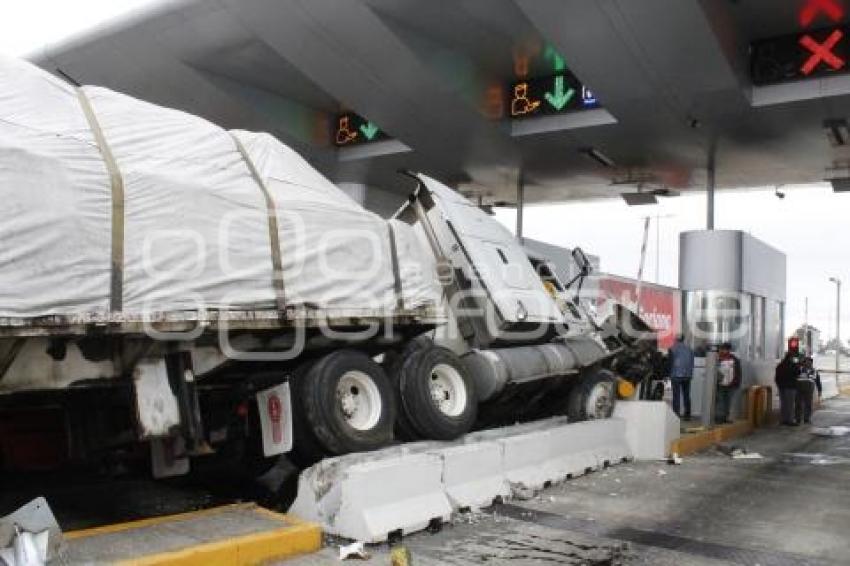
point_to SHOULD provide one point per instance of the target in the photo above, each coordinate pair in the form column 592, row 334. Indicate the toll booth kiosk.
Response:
column 733, row 290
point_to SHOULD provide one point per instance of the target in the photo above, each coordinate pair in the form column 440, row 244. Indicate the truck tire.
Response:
column 306, row 448
column 348, row 403
column 437, row 394
column 593, row 397
column 392, row 363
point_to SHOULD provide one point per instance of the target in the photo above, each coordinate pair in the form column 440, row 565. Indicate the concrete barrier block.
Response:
column 495, row 434
column 366, row 497
column 651, row 427
column 404, row 488
column 527, row 461
column 535, row 459
column 589, row 445
column 472, row 474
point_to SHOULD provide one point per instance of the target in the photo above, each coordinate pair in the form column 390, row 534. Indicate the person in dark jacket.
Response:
column 807, row 381
column 786, row 381
column 681, row 373
column 728, row 382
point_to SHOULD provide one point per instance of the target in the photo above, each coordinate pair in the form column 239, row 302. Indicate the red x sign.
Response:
column 813, row 8
column 822, row 52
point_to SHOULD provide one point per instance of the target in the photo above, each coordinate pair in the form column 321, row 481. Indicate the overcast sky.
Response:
column 810, row 225
column 31, row 24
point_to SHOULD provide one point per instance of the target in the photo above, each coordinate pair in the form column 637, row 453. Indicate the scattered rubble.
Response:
column 831, row 431
column 355, row 550
column 738, row 452
column 400, row 556
column 31, row 536
column 816, row 459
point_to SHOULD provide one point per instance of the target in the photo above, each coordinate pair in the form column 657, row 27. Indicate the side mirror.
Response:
column 581, row 261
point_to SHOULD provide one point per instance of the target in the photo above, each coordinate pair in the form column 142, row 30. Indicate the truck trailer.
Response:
column 175, row 291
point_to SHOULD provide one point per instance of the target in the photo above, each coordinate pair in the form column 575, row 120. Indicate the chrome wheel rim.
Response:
column 359, row 400
column 448, row 390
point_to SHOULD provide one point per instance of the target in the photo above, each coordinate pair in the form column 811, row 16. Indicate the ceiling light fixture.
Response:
column 639, row 199
column 597, row 156
column 837, row 132
column 841, row 185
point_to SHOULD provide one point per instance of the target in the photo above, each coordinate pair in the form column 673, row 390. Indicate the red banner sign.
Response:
column 659, row 307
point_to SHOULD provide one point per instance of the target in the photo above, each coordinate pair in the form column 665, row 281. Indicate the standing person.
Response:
column 807, row 381
column 786, row 381
column 727, row 383
column 681, row 373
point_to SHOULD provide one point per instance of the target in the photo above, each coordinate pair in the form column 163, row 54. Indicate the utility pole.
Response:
column 807, row 334
column 657, row 249
column 837, row 282
column 658, row 218
column 639, row 285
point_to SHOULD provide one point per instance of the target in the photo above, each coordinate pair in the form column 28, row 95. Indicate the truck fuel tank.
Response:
column 494, row 369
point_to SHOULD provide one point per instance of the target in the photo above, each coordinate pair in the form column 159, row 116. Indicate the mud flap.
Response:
column 275, row 409
column 157, row 407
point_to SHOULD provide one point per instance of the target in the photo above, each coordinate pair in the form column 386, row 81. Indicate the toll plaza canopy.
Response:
column 587, row 99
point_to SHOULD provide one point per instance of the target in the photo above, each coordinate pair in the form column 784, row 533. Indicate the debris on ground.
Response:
column 30, row 536
column 747, row 456
column 674, row 459
column 468, row 517
column 27, row 549
column 355, row 550
column 738, row 452
column 522, row 492
column 662, row 473
column 831, row 431
column 400, row 556
column 816, row 459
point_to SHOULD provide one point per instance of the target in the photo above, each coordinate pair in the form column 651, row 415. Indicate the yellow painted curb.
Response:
column 697, row 442
column 295, row 538
column 141, row 523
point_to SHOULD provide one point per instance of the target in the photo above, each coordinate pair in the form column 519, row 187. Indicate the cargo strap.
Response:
column 274, row 235
column 397, row 287
column 116, row 287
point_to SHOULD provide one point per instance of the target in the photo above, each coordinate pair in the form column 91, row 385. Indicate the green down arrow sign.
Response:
column 560, row 97
column 369, row 130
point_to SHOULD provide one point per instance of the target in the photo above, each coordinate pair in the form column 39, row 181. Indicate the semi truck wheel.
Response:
column 392, row 363
column 593, row 397
column 437, row 395
column 348, row 403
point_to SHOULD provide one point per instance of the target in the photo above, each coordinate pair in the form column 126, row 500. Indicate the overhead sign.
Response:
column 806, row 55
column 352, row 129
column 550, row 95
column 814, row 10
column 556, row 92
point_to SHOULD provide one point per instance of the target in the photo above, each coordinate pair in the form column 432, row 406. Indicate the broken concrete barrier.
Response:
column 472, row 475
column 366, row 497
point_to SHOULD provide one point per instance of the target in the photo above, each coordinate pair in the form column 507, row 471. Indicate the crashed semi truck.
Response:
column 173, row 291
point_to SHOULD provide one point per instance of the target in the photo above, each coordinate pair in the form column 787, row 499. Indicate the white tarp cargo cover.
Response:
column 196, row 221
